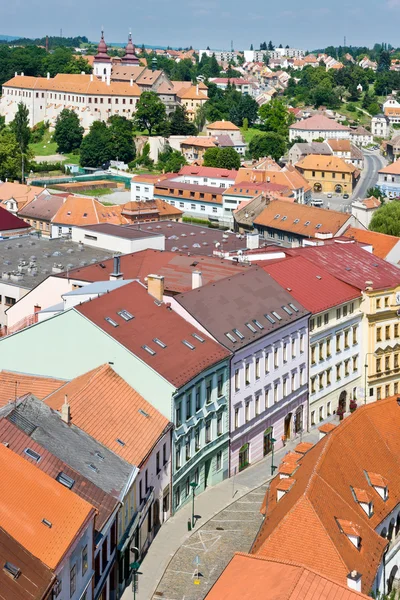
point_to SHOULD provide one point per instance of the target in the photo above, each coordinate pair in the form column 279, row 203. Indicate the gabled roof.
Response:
column 381, row 243
column 316, row 289
column 176, row 362
column 9, row 222
column 301, row 219
column 248, row 577
column 200, row 141
column 27, row 496
column 18, row 441
column 310, row 524
column 288, row 177
column 107, row 408
column 392, row 169
column 175, row 268
column 82, row 211
column 339, row 145
column 22, row 194
column 224, row 124
column 43, row 207
column 234, row 310
column 35, row 579
column 352, row 264
column 158, row 207
column 14, row 385
column 210, row 172
column 319, row 123
column 193, row 93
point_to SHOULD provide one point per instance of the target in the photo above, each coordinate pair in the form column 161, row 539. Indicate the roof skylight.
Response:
column 238, row 333
column 286, row 309
column 159, row 342
column 149, row 350
column 276, row 315
column 256, row 322
column 294, row 307
column 32, row 454
column 188, row 344
column 65, row 480
column 198, row 338
column 111, row 321
column 231, row 338
column 270, row 319
column 125, row 315
column 251, row 327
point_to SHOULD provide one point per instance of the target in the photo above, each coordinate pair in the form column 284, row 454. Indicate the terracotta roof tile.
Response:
column 107, row 408
column 327, row 427
column 319, row 123
column 48, row 500
column 210, row 172
column 362, row 495
column 381, row 243
column 323, row 162
column 81, row 211
column 284, row 485
column 21, row 193
column 377, row 480
column 303, row 447
column 78, row 84
column 392, row 169
column 14, row 385
column 224, row 124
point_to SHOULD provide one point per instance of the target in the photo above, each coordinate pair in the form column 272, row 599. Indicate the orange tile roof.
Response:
column 327, row 427
column 200, row 141
column 319, row 123
column 381, row 243
column 362, row 495
column 82, row 211
column 287, row 468
column 303, row 447
column 339, row 145
column 27, row 496
column 248, row 577
column 322, row 162
column 371, row 202
column 288, row 177
column 14, row 385
column 223, row 125
column 330, row 221
column 158, row 206
column 284, row 485
column 75, row 84
column 192, row 94
column 392, row 169
column 22, row 194
column 107, row 408
column 308, row 524
column 392, row 111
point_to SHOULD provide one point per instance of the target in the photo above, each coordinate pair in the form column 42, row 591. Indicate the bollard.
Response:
column 189, row 525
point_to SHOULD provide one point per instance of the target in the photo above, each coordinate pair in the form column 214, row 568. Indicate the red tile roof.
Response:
column 327, row 427
column 352, row 264
column 210, row 172
column 177, row 363
column 14, row 385
column 175, row 268
column 311, row 522
column 248, row 577
column 18, row 441
column 107, row 408
column 316, row 289
column 9, row 222
column 381, row 243
column 392, row 169
column 319, row 123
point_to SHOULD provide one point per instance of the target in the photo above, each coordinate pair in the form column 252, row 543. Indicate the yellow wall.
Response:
column 329, row 180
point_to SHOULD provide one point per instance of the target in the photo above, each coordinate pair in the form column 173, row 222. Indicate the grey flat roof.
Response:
column 122, row 231
column 98, row 287
column 19, row 256
column 194, row 239
column 72, row 445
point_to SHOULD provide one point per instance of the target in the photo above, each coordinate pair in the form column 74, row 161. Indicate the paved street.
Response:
column 168, row 568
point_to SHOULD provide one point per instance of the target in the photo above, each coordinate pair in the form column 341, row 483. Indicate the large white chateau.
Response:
column 114, row 88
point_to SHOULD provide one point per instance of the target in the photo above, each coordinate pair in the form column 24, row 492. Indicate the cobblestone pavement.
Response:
column 212, row 546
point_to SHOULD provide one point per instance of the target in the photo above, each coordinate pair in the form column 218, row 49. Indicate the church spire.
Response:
column 130, row 58
column 102, row 55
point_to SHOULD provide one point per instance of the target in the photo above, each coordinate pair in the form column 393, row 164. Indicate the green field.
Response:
column 48, row 148
column 249, row 134
column 98, row 192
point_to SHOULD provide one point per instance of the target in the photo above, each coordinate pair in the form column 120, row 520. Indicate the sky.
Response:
column 215, row 23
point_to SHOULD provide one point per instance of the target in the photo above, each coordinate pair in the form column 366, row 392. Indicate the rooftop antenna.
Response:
column 61, row 32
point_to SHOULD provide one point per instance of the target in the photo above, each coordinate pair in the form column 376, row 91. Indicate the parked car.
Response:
column 345, row 196
column 329, row 195
column 317, row 202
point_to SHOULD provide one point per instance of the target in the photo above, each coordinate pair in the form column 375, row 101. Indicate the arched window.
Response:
column 244, row 456
column 105, row 71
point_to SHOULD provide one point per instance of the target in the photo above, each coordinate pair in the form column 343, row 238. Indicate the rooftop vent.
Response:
column 144, row 413
column 32, row 454
column 48, row 524
column 111, row 321
column 120, row 442
column 307, row 223
column 65, row 480
column 93, row 468
column 125, row 315
column 11, row 570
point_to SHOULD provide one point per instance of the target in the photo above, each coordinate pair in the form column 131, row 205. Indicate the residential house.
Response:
column 380, row 244
column 392, row 113
column 392, row 149
column 40, row 211
column 241, row 194
column 317, row 127
column 149, row 211
column 142, row 186
column 346, row 510
column 299, row 150
column 363, row 210
column 58, row 532
column 199, row 201
column 224, row 128
column 266, row 332
column 328, row 173
column 389, row 180
column 13, row 196
column 288, row 177
column 179, row 370
column 11, row 225
column 242, row 85
column 346, row 150
column 192, row 100
column 361, row 136
column 210, row 176
column 335, row 364
column 292, row 225
column 379, row 283
column 193, row 148
column 380, row 126
column 249, row 576
column 366, row 63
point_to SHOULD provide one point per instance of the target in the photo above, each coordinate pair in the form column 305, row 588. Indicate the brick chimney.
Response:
column 155, row 286
column 66, row 411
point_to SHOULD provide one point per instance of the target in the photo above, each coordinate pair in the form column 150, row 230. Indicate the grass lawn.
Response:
column 249, row 134
column 98, row 192
column 44, row 148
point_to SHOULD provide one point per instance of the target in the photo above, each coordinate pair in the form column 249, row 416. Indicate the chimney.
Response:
column 91, row 77
column 66, row 411
column 48, row 75
column 116, row 274
column 197, row 279
column 131, row 83
column 22, row 74
column 108, row 79
column 155, row 286
column 16, row 74
column 252, row 241
column 197, row 89
column 368, row 286
column 354, row 581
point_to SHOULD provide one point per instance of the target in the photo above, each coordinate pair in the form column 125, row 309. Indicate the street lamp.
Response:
column 273, row 467
column 135, row 572
column 193, row 485
column 365, row 373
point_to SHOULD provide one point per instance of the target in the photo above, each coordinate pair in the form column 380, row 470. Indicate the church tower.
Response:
column 130, row 59
column 102, row 62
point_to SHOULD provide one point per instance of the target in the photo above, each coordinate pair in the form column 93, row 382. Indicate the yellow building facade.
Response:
column 328, row 174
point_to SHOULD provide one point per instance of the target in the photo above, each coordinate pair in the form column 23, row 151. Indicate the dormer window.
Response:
column 379, row 484
column 284, row 486
column 363, row 498
column 351, row 531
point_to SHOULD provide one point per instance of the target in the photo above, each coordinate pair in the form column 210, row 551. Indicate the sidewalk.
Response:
column 174, row 533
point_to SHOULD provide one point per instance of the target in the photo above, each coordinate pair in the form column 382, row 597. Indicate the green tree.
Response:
column 68, row 132
column 200, row 118
column 170, row 161
column 22, row 132
column 228, row 158
column 268, row 144
column 179, row 123
column 245, row 124
column 96, row 147
column 122, row 144
column 10, row 155
column 210, row 158
column 387, row 219
column 276, row 117
column 214, row 67
column 384, row 61
column 150, row 113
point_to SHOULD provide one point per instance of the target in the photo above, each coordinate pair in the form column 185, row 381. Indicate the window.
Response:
column 293, row 381
column 178, row 415
column 257, row 405
column 319, row 321
column 247, row 374
column 208, row 431
column 396, row 360
column 321, row 381
column 257, row 368
column 345, row 310
column 285, row 385
column 355, row 335
column 338, row 342
column 208, row 391
column 158, row 463
column 177, row 496
column 293, row 348
column 266, row 398
column 338, row 313
column 387, row 363
column 276, row 397
column 386, row 301
column 236, row 418
column 321, row 413
column 346, row 338
column 396, row 331
column 378, row 393
column 378, row 303
column 313, row 355
column 197, row 439
column 313, row 417
column 267, row 362
column 379, row 334
column 285, row 352
column 237, row 380
column 328, row 376
column 177, row 457
column 72, row 581
column 355, row 363
column 164, row 454
column 247, row 412
column 220, row 385
column 351, row 307
column 321, row 351
column 146, row 481
column 84, row 560
column 312, row 323
column 387, row 332
column 276, row 358
column 328, row 347
column 219, row 424
column 302, row 343
column 9, row 301
column 197, row 399
column 219, row 461
column 387, row 391
column 187, row 448
column 347, row 367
